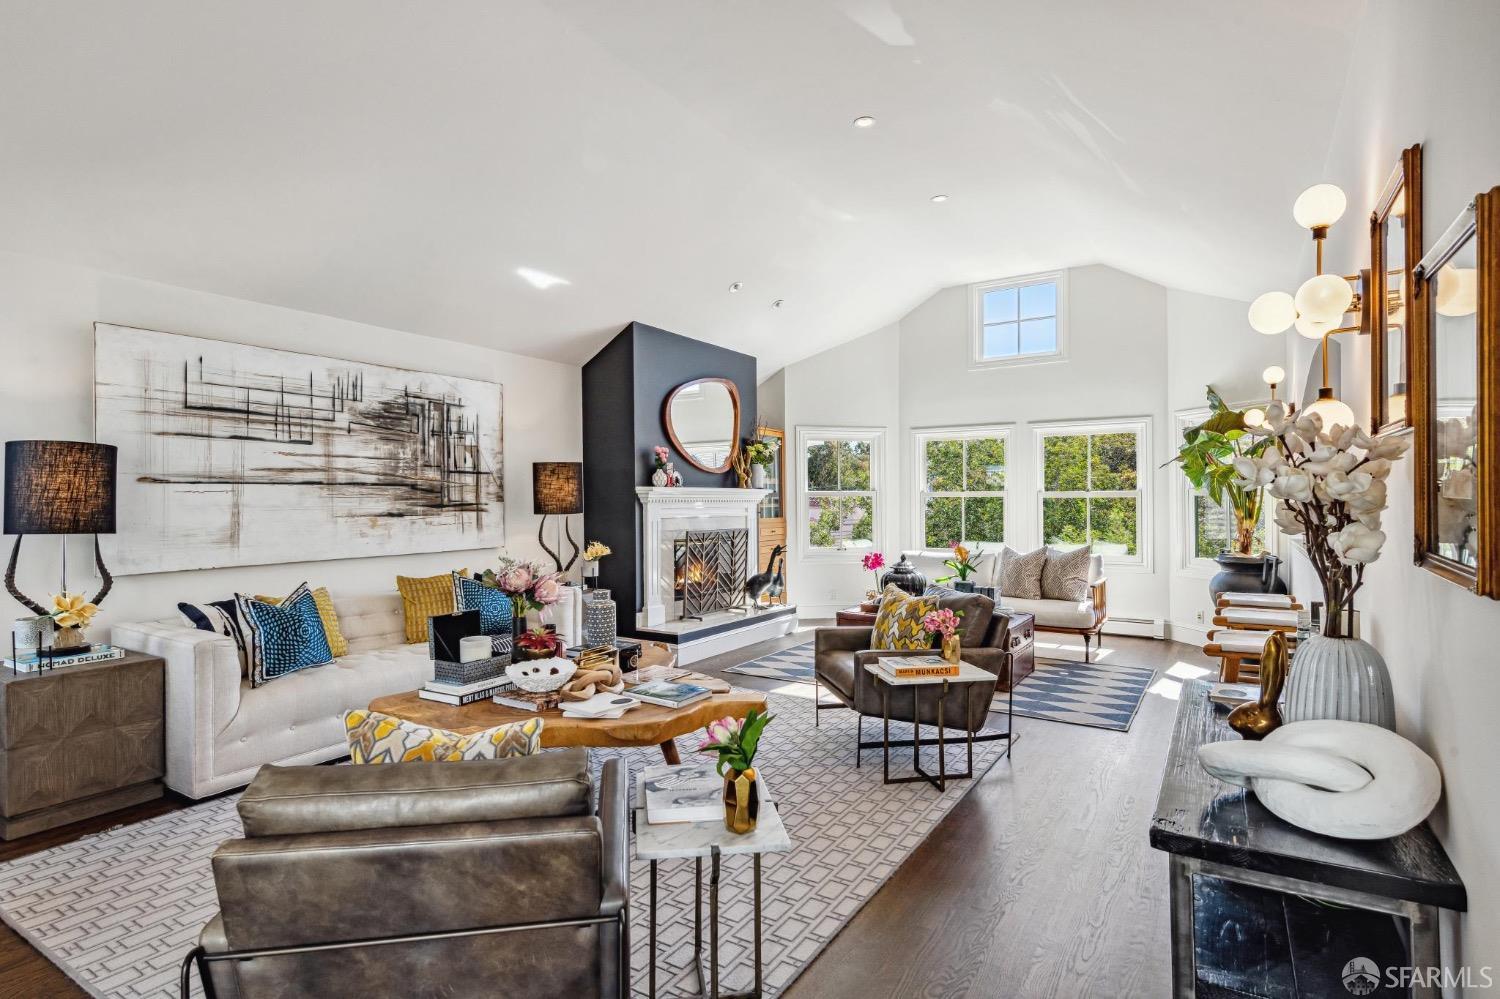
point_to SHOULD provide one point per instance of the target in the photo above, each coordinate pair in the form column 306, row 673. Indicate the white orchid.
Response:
column 1259, row 471
column 1346, row 485
column 1308, row 425
column 1454, row 521
column 1275, row 421
column 1377, row 468
column 1458, row 485
column 1391, row 447
column 1292, row 483
column 1454, row 438
column 1286, row 520
column 1371, row 497
column 1357, row 544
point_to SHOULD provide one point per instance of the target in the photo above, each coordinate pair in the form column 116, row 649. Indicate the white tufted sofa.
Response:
column 220, row 730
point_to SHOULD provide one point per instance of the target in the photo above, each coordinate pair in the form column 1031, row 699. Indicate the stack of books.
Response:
column 690, row 792
column 30, row 662
column 604, row 705
column 915, row 667
column 666, row 694
column 459, row 694
column 525, row 700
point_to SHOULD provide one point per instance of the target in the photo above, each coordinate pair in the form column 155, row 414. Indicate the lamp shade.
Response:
column 1272, row 313
column 1324, row 298
column 1333, row 411
column 1319, row 206
column 59, row 487
column 557, row 487
column 1274, row 375
column 1314, row 329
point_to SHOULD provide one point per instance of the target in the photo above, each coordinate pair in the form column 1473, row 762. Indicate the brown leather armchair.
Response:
column 478, row 878
column 840, row 656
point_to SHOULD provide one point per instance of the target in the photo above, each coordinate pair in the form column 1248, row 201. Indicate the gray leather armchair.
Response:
column 840, row 656
column 479, row 878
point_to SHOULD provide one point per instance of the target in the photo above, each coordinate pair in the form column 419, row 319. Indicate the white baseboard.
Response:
column 1136, row 627
column 1187, row 633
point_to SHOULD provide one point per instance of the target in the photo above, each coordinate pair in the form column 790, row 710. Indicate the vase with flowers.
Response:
column 595, row 553
column 962, row 564
column 1330, row 487
column 942, row 625
column 873, row 563
column 530, row 588
column 71, row 614
column 663, row 470
column 735, row 741
column 759, row 455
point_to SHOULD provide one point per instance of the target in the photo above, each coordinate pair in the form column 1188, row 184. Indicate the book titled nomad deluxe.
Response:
column 31, row 662
column 691, row 792
column 669, row 695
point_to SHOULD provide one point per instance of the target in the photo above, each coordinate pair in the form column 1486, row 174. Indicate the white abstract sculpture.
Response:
column 1339, row 778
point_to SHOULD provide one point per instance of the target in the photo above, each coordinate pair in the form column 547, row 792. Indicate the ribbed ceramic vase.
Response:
column 1342, row 678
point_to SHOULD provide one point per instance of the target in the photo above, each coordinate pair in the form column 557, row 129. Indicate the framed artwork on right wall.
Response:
column 1455, row 397
column 1395, row 248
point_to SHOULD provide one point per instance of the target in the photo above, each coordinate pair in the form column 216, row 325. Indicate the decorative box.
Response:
column 458, row 674
column 445, row 631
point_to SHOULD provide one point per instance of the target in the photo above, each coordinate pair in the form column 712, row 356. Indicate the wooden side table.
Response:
column 79, row 741
column 854, row 617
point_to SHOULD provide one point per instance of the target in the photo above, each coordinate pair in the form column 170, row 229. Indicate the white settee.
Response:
column 1085, row 617
column 220, row 730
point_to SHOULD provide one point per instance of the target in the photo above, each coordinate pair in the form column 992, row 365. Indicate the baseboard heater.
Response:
column 1140, row 627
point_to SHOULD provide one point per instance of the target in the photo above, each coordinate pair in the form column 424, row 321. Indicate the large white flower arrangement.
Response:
column 1330, row 489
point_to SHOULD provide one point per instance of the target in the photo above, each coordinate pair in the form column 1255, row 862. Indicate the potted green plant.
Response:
column 1221, row 457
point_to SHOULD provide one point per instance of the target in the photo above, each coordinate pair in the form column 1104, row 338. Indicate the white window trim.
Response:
column 1182, row 514
column 1145, row 469
column 876, row 438
column 977, row 360
column 919, row 438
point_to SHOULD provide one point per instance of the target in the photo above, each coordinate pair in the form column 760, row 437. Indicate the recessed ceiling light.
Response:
column 863, row 121
column 736, row 286
column 778, row 303
column 938, row 199
column 540, row 279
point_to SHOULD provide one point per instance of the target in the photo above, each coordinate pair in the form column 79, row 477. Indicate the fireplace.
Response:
column 709, row 570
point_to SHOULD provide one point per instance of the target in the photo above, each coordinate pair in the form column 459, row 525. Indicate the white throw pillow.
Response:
column 1021, row 575
column 1066, row 575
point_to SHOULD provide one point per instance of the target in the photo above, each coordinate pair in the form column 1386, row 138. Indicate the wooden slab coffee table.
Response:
column 647, row 725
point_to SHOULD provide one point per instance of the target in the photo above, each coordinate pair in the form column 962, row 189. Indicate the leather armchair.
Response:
column 475, row 878
column 841, row 654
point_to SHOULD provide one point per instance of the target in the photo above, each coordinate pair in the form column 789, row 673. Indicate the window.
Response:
column 961, row 486
column 840, row 476
column 1093, row 480
column 1019, row 321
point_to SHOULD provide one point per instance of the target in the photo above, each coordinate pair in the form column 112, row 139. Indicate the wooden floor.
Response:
column 1039, row 883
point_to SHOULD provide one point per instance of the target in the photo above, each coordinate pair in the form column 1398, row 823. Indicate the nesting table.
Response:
column 973, row 679
column 680, row 840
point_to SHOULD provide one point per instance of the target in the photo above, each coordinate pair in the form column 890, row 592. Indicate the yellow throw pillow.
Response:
column 423, row 597
column 898, row 622
column 337, row 644
column 380, row 738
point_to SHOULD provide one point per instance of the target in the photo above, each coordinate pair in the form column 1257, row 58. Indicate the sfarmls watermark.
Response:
column 1363, row 976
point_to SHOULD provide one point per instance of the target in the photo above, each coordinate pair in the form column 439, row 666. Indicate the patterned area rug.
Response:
column 118, row 910
column 794, row 665
column 1094, row 694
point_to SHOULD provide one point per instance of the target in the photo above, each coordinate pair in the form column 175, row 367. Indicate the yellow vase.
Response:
column 951, row 650
column 741, row 801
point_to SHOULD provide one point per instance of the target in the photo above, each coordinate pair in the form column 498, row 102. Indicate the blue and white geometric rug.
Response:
column 793, row 665
column 1094, row 694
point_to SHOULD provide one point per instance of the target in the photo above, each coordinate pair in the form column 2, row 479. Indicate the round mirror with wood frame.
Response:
column 702, row 420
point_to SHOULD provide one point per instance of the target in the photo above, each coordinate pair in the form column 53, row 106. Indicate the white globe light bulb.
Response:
column 1274, row 375
column 1318, row 206
column 1332, row 411
column 1255, row 417
column 1457, row 291
column 1324, row 298
column 1311, row 328
column 1272, row 313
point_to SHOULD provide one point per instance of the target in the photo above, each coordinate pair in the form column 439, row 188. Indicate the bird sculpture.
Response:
column 761, row 581
column 778, row 581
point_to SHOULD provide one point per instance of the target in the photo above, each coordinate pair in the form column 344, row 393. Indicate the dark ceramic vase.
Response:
column 963, row 585
column 1245, row 574
column 906, row 577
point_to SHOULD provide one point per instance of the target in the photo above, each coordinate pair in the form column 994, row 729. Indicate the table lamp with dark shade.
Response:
column 557, row 488
column 58, row 487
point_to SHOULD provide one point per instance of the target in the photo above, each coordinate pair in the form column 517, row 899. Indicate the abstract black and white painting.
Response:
column 239, row 455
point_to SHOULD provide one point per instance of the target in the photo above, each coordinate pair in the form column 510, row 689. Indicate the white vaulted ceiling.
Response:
column 396, row 162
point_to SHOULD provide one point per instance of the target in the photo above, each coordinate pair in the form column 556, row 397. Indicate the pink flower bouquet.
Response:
column 941, row 623
column 735, row 741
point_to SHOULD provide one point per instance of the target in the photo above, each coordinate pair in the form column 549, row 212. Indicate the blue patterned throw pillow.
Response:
column 493, row 605
column 283, row 638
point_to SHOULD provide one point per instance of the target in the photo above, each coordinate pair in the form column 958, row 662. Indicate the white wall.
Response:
column 1209, row 342
column 916, row 375
column 47, row 312
column 853, row 385
column 1427, row 75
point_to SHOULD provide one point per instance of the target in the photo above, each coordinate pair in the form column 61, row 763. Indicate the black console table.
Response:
column 1214, row 830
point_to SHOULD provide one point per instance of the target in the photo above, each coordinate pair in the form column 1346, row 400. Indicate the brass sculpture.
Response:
column 1257, row 719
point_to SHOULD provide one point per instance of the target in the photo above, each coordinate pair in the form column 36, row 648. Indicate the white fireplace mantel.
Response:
column 666, row 509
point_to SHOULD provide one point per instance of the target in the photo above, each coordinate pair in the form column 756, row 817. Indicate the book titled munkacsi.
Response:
column 905, row 667
column 669, row 695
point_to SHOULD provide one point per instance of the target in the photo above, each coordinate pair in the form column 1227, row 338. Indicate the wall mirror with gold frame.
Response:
column 1455, row 394
column 702, row 418
column 1395, row 248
